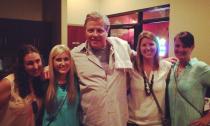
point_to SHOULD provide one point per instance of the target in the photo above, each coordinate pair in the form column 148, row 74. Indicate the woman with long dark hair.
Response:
column 21, row 92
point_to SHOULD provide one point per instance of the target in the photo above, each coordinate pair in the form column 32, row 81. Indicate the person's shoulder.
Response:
column 198, row 63
column 10, row 77
column 78, row 49
column 5, row 83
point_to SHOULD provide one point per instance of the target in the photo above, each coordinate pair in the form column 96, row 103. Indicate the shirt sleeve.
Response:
column 205, row 76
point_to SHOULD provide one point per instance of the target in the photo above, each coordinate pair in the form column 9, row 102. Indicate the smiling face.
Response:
column 61, row 63
column 96, row 34
column 148, row 48
column 182, row 52
column 33, row 64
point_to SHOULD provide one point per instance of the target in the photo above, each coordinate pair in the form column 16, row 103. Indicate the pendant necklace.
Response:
column 148, row 85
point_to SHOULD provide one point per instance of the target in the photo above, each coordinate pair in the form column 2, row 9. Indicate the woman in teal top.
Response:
column 189, row 81
column 62, row 98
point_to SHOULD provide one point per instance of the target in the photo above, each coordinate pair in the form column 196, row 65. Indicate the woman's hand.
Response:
column 46, row 73
column 203, row 121
column 173, row 60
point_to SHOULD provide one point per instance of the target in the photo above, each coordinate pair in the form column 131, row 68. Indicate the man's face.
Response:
column 96, row 34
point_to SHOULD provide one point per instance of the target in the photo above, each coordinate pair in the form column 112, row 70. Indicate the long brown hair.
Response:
column 22, row 77
column 138, row 63
column 71, row 87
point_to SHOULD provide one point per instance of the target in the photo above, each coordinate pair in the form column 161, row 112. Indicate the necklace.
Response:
column 148, row 85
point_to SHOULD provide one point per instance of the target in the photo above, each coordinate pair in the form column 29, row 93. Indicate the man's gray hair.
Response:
column 97, row 16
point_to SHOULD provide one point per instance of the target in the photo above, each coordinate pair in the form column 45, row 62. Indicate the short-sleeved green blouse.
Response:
column 192, row 83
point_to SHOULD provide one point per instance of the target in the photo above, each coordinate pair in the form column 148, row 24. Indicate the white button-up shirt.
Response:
column 103, row 96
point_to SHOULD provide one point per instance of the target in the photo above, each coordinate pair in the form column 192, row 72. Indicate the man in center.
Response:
column 101, row 64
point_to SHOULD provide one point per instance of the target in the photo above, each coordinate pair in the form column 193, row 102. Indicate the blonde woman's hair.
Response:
column 138, row 63
column 71, row 87
column 94, row 16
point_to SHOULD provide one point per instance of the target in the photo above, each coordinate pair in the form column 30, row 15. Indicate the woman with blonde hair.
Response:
column 146, row 99
column 62, row 98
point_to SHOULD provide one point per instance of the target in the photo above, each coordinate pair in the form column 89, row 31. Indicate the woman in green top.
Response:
column 189, row 81
column 62, row 98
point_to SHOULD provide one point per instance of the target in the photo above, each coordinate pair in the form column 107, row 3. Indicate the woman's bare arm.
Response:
column 5, row 91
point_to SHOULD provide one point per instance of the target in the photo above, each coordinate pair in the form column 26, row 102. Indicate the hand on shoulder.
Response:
column 173, row 60
column 46, row 73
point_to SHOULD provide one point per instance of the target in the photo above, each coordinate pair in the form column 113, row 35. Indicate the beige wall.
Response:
column 77, row 10
column 192, row 16
column 64, row 24
column 21, row 9
column 118, row 6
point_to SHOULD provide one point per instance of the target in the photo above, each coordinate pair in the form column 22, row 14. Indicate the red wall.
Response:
column 76, row 35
